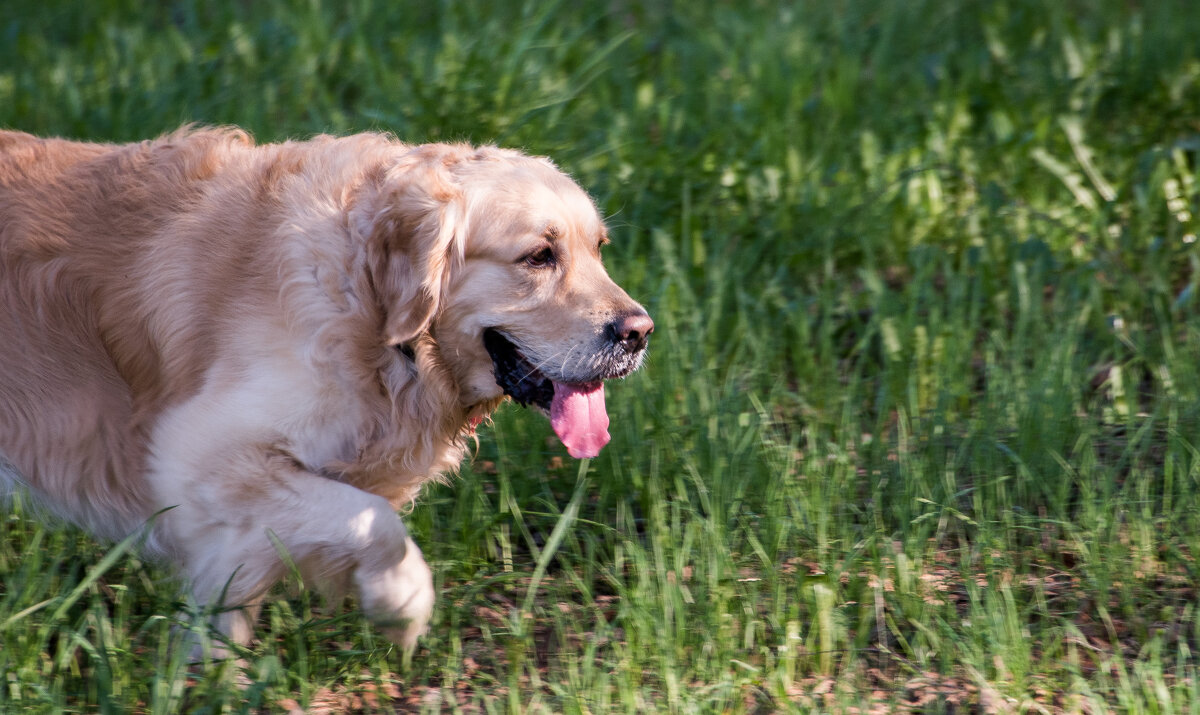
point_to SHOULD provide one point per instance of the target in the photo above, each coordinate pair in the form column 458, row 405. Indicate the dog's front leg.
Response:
column 234, row 534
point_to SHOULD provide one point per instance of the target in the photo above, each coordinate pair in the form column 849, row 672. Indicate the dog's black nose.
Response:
column 631, row 331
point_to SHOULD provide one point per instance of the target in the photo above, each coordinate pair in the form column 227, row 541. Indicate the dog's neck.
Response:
column 402, row 454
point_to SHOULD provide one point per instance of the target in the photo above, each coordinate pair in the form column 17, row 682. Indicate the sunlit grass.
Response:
column 920, row 420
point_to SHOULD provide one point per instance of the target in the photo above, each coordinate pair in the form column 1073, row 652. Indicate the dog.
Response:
column 272, row 347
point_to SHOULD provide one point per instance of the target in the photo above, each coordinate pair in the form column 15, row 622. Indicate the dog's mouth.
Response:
column 576, row 410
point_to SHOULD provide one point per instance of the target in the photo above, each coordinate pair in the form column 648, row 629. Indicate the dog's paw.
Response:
column 400, row 599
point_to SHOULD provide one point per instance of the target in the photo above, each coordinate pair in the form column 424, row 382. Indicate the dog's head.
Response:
column 496, row 256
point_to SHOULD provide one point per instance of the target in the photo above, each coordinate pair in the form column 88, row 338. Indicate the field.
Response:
column 920, row 427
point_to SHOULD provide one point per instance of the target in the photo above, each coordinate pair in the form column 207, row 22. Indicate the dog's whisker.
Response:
column 538, row 367
column 567, row 357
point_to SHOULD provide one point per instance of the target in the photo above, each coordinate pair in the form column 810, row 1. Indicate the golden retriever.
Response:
column 283, row 342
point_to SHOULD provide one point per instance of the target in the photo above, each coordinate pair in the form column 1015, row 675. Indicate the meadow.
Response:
column 920, row 427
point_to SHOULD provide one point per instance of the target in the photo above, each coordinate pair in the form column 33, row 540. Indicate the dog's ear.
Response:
column 414, row 224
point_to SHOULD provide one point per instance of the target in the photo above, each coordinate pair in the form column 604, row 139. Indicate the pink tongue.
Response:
column 578, row 417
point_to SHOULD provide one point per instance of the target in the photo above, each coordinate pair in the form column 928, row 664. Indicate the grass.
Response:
column 921, row 426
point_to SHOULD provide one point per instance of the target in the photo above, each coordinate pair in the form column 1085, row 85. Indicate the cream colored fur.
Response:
column 274, row 340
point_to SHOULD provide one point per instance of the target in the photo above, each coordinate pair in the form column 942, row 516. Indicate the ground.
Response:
column 918, row 430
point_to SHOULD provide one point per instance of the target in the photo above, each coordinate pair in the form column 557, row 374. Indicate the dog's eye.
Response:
column 541, row 258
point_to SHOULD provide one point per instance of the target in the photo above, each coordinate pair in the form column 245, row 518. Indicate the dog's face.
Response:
column 524, row 305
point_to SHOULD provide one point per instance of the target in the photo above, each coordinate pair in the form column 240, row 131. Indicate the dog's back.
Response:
column 64, row 410
column 76, row 220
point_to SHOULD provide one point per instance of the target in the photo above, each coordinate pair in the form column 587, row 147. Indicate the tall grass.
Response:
column 920, row 423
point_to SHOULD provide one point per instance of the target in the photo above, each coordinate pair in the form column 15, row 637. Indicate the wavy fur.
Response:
column 273, row 339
